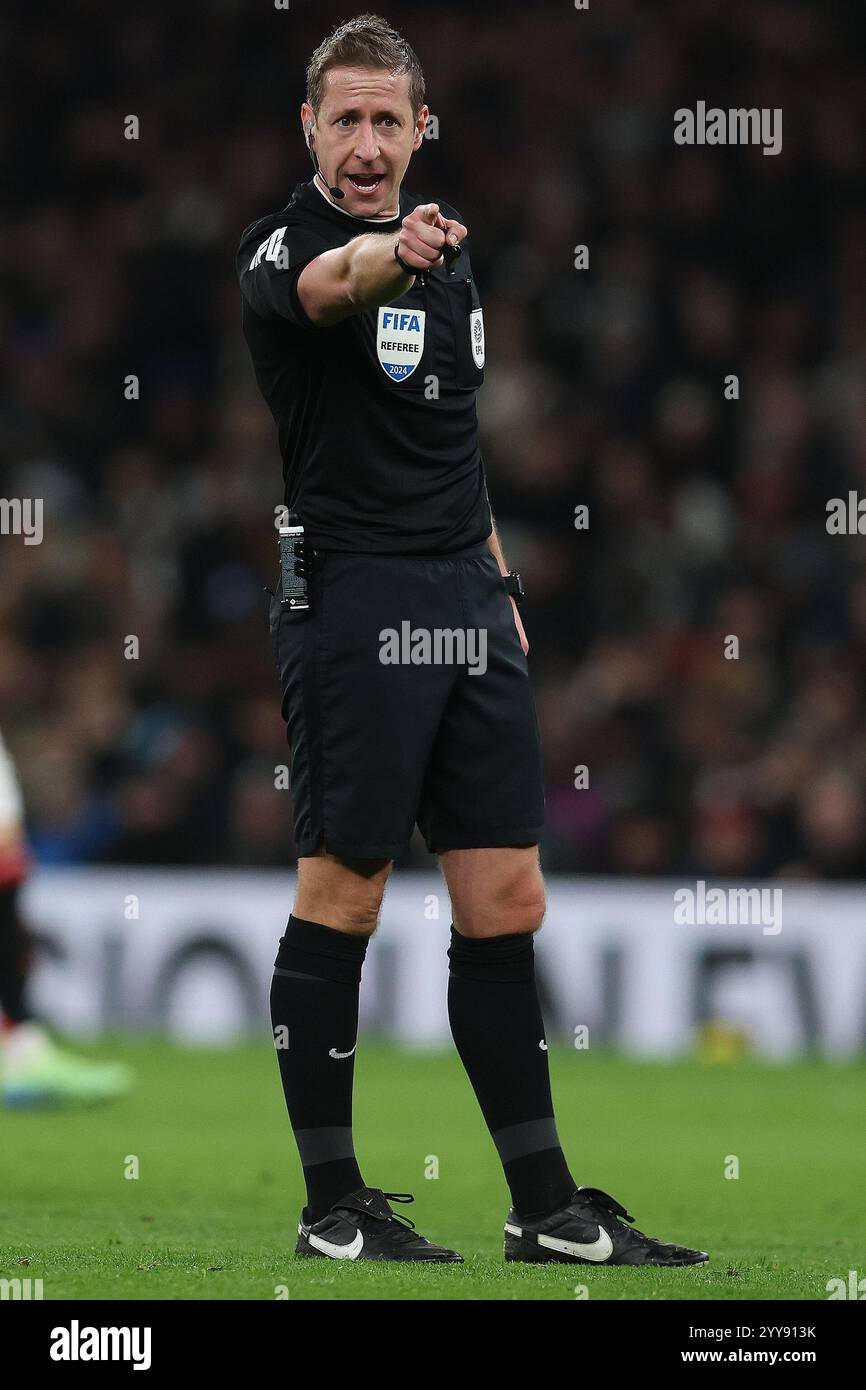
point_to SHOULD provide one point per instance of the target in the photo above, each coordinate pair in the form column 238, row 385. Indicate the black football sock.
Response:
column 14, row 959
column 497, row 1026
column 314, row 1012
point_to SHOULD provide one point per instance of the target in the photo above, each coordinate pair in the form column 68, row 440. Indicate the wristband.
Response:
column 407, row 269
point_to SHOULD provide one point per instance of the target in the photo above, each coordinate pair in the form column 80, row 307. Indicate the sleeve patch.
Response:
column 272, row 249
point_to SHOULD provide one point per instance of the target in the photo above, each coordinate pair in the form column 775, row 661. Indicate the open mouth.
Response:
column 365, row 183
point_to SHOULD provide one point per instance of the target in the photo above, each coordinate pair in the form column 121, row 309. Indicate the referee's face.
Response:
column 364, row 135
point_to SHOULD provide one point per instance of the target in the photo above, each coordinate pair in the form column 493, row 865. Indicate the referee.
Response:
column 405, row 688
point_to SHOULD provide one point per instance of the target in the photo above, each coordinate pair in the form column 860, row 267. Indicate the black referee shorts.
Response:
column 406, row 698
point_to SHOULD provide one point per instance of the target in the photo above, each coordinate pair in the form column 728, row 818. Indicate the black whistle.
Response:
column 450, row 254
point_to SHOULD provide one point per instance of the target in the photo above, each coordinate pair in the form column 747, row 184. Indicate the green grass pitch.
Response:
column 213, row 1212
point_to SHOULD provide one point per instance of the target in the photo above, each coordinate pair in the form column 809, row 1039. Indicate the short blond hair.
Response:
column 367, row 41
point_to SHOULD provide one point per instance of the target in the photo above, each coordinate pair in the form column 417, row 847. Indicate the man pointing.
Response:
column 369, row 354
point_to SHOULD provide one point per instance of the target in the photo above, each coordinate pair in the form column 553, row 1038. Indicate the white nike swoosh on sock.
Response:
column 543, row 1045
column 339, row 1055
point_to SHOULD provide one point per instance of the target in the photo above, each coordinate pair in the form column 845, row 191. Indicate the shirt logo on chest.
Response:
column 400, row 341
column 476, row 333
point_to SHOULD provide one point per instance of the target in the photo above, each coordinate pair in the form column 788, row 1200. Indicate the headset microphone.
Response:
column 334, row 192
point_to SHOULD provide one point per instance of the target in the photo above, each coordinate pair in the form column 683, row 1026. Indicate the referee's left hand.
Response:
column 521, row 631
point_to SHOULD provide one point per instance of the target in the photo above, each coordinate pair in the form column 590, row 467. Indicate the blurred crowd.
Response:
column 136, row 687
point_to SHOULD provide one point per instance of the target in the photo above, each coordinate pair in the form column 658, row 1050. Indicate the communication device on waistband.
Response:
column 293, row 565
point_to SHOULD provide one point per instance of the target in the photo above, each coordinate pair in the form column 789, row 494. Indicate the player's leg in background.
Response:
column 33, row 1069
column 314, row 1013
column 14, row 944
column 14, row 959
column 497, row 898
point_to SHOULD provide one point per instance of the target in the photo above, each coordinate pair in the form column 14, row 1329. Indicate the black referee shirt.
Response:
column 375, row 416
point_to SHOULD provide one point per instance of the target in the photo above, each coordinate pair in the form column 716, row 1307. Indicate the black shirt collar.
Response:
column 310, row 198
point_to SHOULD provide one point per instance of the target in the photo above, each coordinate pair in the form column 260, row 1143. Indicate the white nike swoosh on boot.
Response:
column 339, row 1055
column 600, row 1250
column 338, row 1252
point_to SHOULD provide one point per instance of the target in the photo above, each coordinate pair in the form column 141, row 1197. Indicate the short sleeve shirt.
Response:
column 375, row 416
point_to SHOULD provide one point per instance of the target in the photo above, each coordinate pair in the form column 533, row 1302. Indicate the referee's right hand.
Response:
column 424, row 233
